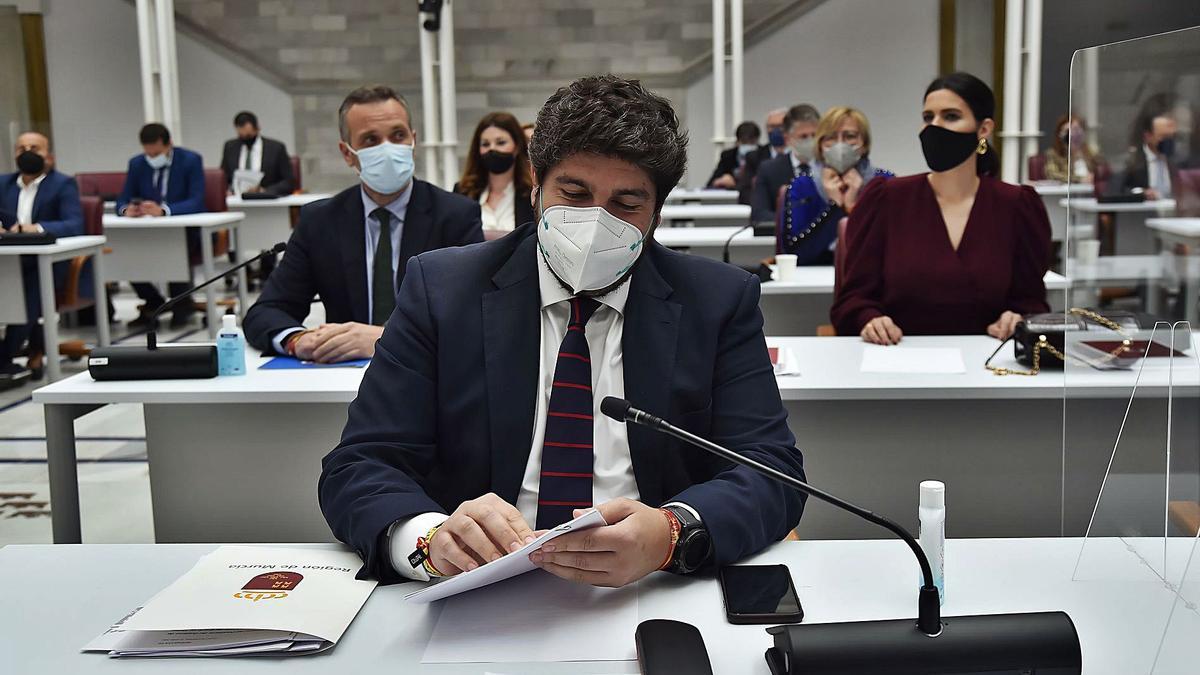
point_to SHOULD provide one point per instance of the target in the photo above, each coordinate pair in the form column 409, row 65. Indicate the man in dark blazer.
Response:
column 776, row 145
column 34, row 199
column 255, row 152
column 733, row 160
column 800, row 126
column 163, row 181
column 488, row 380
column 338, row 250
column 1150, row 166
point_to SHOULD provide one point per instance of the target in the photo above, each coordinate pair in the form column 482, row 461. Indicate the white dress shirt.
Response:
column 26, row 198
column 398, row 208
column 255, row 150
column 504, row 216
column 1158, row 173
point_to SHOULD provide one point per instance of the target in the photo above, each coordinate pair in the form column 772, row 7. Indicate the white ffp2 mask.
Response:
column 589, row 249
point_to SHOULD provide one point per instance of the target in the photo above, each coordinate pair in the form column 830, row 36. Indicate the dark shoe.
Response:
column 143, row 321
column 181, row 319
column 39, row 371
column 12, row 375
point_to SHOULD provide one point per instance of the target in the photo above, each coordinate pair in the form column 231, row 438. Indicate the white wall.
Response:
column 95, row 89
column 875, row 56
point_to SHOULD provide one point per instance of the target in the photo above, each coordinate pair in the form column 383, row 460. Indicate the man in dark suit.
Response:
column 254, row 152
column 800, row 126
column 483, row 399
column 34, row 199
column 352, row 249
column 1150, row 165
column 732, row 160
column 776, row 145
column 163, row 181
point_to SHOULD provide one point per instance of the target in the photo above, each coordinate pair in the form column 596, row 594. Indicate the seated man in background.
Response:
column 483, row 399
column 251, row 151
column 351, row 249
column 163, row 181
column 36, row 198
column 800, row 132
column 776, row 145
column 1150, row 165
column 732, row 161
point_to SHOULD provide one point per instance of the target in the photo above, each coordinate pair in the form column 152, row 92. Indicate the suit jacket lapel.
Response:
column 649, row 343
column 353, row 243
column 418, row 226
column 511, row 339
column 43, row 194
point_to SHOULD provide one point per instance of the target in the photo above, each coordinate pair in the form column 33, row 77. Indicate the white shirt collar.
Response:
column 398, row 206
column 552, row 291
column 32, row 184
column 1150, row 154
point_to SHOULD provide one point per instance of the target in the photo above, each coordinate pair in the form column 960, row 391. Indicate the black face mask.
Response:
column 497, row 162
column 945, row 149
column 30, row 163
column 249, row 141
column 1166, row 147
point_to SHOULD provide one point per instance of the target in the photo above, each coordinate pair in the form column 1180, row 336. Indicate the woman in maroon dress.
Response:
column 951, row 252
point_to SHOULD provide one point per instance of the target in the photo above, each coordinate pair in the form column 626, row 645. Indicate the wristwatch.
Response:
column 694, row 546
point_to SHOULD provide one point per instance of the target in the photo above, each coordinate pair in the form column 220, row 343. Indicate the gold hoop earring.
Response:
column 982, row 149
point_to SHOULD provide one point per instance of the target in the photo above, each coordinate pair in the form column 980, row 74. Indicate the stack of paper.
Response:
column 243, row 600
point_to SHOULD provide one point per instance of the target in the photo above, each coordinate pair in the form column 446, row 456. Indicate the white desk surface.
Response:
column 1090, row 205
column 63, row 245
column 709, row 236
column 61, row 597
column 188, row 220
column 1056, row 189
column 702, row 195
column 236, row 202
column 818, row 280
column 1183, row 227
column 706, row 212
column 1128, row 268
column 830, row 370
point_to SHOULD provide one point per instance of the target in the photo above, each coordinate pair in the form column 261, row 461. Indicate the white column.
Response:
column 449, row 104
column 736, row 61
column 430, row 136
column 159, row 64
column 1031, row 101
column 1010, row 136
column 1091, row 92
column 718, row 75
column 148, row 60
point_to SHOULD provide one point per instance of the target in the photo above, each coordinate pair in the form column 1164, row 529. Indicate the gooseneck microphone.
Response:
column 168, row 363
column 1045, row 642
column 729, row 241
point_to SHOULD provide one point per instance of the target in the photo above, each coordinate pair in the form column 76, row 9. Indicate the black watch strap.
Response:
column 694, row 546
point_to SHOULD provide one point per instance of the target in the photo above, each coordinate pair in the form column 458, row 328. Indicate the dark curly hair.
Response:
column 614, row 117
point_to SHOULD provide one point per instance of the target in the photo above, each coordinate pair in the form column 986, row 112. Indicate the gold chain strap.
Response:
column 1043, row 343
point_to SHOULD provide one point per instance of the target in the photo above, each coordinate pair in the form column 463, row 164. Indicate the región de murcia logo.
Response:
column 269, row 586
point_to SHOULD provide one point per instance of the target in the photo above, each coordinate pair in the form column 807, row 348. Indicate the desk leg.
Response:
column 102, row 334
column 60, row 462
column 1191, row 295
column 210, row 292
column 49, row 316
column 242, row 307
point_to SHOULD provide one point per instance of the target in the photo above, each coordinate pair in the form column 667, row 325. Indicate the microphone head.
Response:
column 278, row 248
column 616, row 408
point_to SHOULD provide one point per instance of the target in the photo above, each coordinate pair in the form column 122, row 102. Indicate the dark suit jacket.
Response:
column 276, row 165
column 185, row 183
column 522, row 207
column 726, row 164
column 445, row 413
column 745, row 182
column 1137, row 172
column 325, row 256
column 56, row 207
column 772, row 175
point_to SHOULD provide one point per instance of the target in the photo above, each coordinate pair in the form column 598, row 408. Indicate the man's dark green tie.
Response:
column 383, row 291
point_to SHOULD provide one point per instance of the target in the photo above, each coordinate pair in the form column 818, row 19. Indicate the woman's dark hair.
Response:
column 475, row 175
column 982, row 103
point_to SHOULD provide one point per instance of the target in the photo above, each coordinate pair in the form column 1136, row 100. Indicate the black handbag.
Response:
column 1039, row 341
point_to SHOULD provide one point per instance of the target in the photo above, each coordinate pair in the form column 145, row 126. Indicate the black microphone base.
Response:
column 1045, row 643
column 169, row 362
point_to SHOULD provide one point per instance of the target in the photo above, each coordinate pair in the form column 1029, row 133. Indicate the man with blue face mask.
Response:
column 352, row 249
column 733, row 160
column 479, row 423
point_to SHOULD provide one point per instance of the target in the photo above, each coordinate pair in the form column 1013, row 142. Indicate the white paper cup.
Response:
column 1087, row 251
column 785, row 267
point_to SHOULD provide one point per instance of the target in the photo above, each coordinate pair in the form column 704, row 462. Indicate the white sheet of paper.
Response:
column 509, row 566
column 912, row 360
column 537, row 618
column 787, row 364
column 245, row 180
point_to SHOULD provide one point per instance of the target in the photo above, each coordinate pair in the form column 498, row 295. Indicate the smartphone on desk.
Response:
column 760, row 594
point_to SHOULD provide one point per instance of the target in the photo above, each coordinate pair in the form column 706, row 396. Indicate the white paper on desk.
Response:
column 537, row 618
column 913, row 360
column 245, row 180
column 786, row 363
column 509, row 566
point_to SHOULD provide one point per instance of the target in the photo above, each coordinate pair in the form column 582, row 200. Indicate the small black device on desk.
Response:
column 253, row 196
column 667, row 647
column 26, row 238
column 760, row 594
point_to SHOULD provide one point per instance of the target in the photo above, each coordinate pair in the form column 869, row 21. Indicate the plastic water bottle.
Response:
column 231, row 347
column 932, row 514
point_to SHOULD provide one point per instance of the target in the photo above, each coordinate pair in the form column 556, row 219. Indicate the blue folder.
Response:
column 292, row 363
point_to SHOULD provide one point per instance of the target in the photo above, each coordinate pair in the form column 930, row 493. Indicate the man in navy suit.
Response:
column 34, row 199
column 478, row 422
column 163, row 181
column 338, row 250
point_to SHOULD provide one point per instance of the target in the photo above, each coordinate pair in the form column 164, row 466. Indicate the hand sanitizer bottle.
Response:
column 231, row 347
column 933, row 531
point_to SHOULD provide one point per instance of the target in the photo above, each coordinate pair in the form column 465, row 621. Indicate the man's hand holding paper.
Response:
column 479, row 531
column 636, row 542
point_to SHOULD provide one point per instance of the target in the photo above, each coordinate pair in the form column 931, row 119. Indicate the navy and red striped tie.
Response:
column 566, row 480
